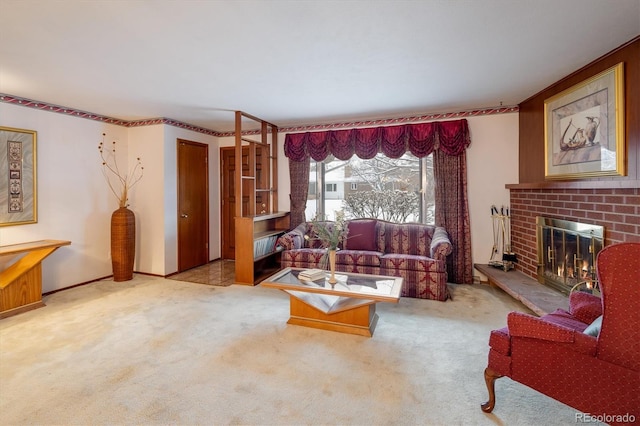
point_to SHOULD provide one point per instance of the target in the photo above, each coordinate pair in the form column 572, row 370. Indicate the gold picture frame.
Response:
column 584, row 134
column 18, row 190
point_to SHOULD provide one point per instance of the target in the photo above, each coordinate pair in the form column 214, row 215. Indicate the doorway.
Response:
column 193, row 204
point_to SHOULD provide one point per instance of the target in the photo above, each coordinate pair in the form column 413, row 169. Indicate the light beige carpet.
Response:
column 158, row 351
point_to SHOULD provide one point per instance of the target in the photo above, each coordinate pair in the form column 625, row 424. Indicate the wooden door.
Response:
column 228, row 190
column 228, row 167
column 193, row 204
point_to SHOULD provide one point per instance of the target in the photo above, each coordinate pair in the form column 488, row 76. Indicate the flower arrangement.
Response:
column 120, row 184
column 330, row 234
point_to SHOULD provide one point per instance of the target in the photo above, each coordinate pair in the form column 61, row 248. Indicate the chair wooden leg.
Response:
column 490, row 377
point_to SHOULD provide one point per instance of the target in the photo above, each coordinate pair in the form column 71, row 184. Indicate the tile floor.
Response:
column 218, row 272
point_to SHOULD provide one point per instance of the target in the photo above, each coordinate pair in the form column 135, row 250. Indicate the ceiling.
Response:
column 299, row 62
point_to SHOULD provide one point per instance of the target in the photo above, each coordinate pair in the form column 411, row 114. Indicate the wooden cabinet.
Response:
column 256, row 253
column 258, row 223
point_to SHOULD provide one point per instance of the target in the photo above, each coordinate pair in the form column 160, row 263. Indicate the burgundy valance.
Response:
column 451, row 137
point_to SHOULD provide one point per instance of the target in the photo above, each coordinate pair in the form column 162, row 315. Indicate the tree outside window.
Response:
column 397, row 190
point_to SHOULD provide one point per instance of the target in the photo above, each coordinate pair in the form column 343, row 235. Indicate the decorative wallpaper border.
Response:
column 413, row 119
column 29, row 103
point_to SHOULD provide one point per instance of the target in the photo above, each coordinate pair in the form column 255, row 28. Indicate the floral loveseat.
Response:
column 413, row 251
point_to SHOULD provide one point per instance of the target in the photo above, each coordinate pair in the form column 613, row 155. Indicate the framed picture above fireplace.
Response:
column 584, row 128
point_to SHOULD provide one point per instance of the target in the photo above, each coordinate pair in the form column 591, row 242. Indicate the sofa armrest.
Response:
column 525, row 325
column 441, row 246
column 584, row 306
column 293, row 239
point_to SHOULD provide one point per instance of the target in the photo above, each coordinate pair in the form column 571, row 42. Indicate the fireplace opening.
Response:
column 567, row 252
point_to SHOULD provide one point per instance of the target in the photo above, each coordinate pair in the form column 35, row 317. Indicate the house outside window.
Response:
column 398, row 190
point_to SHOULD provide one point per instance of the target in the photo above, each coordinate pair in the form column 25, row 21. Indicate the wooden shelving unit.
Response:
column 258, row 222
column 256, row 255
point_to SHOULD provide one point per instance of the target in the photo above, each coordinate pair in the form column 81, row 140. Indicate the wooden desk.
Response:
column 21, row 282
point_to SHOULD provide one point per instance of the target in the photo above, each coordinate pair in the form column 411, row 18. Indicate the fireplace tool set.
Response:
column 501, row 254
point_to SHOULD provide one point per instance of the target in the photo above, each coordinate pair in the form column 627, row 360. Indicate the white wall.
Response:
column 147, row 198
column 170, row 203
column 155, row 198
column 492, row 162
column 75, row 203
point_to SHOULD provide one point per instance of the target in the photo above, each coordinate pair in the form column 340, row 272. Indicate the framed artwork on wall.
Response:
column 18, row 194
column 584, row 128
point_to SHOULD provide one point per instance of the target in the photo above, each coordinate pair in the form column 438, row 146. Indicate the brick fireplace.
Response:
column 617, row 209
column 609, row 201
column 612, row 202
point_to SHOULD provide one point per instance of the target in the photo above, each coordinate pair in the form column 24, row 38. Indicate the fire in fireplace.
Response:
column 567, row 252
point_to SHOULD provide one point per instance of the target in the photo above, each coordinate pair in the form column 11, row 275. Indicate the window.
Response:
column 397, row 190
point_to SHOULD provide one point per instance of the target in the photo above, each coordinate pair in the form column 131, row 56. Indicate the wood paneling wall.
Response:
column 613, row 202
column 531, row 154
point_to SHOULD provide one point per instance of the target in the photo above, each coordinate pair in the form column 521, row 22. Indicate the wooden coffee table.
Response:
column 349, row 306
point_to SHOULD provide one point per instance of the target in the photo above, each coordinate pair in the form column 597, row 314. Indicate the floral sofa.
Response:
column 413, row 251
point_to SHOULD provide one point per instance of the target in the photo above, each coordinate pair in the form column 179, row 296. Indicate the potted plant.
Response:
column 331, row 235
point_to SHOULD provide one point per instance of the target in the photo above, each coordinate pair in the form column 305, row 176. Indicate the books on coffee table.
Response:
column 312, row 274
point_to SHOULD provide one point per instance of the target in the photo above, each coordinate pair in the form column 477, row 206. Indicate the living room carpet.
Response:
column 159, row 351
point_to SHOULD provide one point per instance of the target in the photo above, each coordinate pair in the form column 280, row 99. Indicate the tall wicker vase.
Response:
column 123, row 243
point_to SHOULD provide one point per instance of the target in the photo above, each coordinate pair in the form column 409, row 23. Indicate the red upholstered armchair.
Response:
column 598, row 375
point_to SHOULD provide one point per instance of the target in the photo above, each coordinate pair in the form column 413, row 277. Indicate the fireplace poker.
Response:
column 502, row 238
column 494, row 250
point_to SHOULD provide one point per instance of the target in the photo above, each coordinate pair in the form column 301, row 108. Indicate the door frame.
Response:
column 206, row 194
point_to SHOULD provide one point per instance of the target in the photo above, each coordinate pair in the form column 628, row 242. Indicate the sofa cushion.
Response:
column 394, row 261
column 358, row 257
column 408, row 238
column 565, row 319
column 293, row 239
column 311, row 235
column 585, row 306
column 594, row 328
column 362, row 235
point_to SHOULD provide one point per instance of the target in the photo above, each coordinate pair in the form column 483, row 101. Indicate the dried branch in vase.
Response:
column 119, row 183
column 330, row 234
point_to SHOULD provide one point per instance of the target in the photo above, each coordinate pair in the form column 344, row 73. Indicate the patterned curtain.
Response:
column 447, row 140
column 299, row 177
column 452, row 212
column 393, row 141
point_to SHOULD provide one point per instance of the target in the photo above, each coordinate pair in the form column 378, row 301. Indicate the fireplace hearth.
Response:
column 567, row 252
